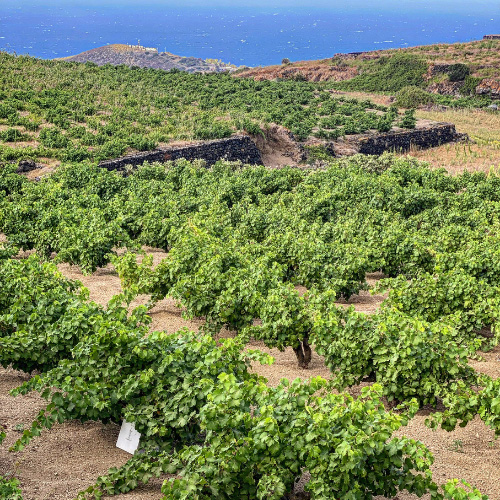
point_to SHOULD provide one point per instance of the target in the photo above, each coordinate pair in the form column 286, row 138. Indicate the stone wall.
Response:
column 242, row 148
column 438, row 69
column 489, row 87
column 404, row 140
column 491, row 37
column 235, row 148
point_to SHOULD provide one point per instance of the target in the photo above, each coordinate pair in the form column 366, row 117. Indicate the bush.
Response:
column 9, row 489
column 389, row 74
column 470, row 84
column 384, row 123
column 215, row 130
column 13, row 135
column 285, row 60
column 53, row 138
column 458, row 72
column 345, row 444
column 142, row 143
column 6, row 110
column 409, row 120
column 76, row 154
column 412, row 97
column 111, row 149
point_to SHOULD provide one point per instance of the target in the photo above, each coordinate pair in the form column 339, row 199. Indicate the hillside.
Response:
column 325, row 330
column 482, row 76
column 55, row 110
column 144, row 57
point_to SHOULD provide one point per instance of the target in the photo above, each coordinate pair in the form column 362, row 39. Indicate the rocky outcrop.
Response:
column 26, row 166
column 446, row 88
column 143, row 57
column 490, row 87
column 437, row 69
column 235, row 148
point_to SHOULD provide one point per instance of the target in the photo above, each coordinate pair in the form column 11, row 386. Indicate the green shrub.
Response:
column 384, row 123
column 458, row 72
column 53, row 138
column 412, row 97
column 141, row 142
column 318, row 153
column 76, row 154
column 13, row 135
column 31, row 125
column 409, row 120
column 470, row 84
column 111, row 149
column 6, row 110
column 389, row 74
column 77, row 132
column 9, row 489
column 215, row 130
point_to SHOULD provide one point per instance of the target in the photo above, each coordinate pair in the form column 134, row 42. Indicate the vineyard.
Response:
column 72, row 112
column 265, row 255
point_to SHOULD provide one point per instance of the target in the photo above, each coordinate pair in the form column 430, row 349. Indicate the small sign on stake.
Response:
column 128, row 439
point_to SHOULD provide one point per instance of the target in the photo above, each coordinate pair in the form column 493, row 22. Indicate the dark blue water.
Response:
column 261, row 34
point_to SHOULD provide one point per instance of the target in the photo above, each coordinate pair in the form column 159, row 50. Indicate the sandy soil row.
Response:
column 68, row 458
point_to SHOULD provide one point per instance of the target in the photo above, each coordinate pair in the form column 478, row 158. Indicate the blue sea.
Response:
column 241, row 32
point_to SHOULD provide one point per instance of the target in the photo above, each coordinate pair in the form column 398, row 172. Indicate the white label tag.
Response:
column 128, row 439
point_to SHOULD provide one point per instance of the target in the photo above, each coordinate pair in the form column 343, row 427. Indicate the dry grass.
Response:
column 383, row 100
column 483, row 127
column 482, row 56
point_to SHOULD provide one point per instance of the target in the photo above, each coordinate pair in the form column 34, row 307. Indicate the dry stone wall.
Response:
column 235, row 148
column 402, row 140
column 243, row 148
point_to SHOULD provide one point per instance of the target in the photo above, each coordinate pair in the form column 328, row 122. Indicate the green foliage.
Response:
column 90, row 242
column 409, row 120
column 215, row 130
column 53, row 138
column 412, row 97
column 13, row 135
column 266, row 253
column 6, row 110
column 411, row 358
column 461, row 490
column 384, row 123
column 9, row 489
column 470, row 85
column 259, row 455
column 388, row 74
column 110, row 109
column 453, row 297
column 458, row 72
column 42, row 315
column 315, row 153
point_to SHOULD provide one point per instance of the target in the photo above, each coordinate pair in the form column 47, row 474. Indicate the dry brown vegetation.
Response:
column 483, row 57
column 482, row 154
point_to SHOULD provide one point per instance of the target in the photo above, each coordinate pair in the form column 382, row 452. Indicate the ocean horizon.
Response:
column 241, row 34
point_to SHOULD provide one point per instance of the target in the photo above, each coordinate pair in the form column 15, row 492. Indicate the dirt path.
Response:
column 69, row 457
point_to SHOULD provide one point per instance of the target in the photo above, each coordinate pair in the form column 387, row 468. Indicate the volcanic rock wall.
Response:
column 402, row 140
column 236, row 148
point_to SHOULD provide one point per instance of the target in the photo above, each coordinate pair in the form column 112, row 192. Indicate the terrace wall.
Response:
column 404, row 140
column 236, row 148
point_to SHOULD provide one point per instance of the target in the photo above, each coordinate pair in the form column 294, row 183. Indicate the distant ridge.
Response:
column 148, row 57
column 479, row 59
